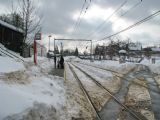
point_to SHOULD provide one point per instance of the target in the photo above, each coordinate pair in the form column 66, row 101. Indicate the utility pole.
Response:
column 91, row 52
column 35, row 52
column 49, row 43
column 61, row 51
column 54, row 47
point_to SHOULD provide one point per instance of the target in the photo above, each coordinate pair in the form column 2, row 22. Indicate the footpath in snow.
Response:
column 29, row 92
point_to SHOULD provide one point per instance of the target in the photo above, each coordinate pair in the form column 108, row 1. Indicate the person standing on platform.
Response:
column 62, row 62
column 55, row 61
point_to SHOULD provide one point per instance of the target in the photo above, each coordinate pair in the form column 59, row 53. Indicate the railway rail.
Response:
column 152, row 87
column 85, row 93
column 120, row 76
column 131, row 112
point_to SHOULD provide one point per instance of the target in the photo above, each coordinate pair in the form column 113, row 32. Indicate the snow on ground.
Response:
column 110, row 81
column 28, row 91
column 9, row 65
column 77, row 104
column 123, row 68
column 139, row 99
column 97, row 94
column 155, row 68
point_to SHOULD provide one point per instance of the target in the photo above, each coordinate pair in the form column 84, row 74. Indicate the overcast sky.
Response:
column 60, row 16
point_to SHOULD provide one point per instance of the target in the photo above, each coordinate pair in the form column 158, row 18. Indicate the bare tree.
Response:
column 31, row 22
column 30, row 18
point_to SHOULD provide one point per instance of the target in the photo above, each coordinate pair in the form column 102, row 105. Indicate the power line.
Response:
column 134, row 6
column 79, row 17
column 131, row 8
column 132, row 26
column 99, row 26
column 86, row 9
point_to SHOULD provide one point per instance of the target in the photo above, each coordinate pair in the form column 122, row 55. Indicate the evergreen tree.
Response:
column 76, row 52
column 13, row 19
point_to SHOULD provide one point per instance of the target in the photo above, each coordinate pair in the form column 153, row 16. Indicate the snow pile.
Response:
column 41, row 97
column 39, row 111
column 155, row 68
column 112, row 65
column 11, row 26
column 77, row 105
column 10, row 65
column 41, row 90
column 72, row 58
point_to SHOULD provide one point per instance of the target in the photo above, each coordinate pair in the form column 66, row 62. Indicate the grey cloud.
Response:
column 57, row 15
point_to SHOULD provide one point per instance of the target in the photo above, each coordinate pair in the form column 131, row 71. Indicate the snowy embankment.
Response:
column 77, row 105
column 28, row 91
column 155, row 68
column 123, row 68
column 9, row 65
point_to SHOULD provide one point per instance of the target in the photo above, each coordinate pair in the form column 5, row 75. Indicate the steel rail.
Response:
column 85, row 92
column 111, row 94
column 113, row 72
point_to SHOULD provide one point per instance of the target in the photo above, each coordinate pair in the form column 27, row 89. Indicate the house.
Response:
column 135, row 49
column 11, row 37
column 155, row 49
column 135, row 46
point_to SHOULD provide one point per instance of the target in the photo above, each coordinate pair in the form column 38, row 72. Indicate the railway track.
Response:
column 132, row 114
column 152, row 86
column 120, row 75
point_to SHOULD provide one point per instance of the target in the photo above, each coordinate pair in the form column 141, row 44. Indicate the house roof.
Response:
column 11, row 26
column 136, row 46
column 155, row 49
column 123, row 51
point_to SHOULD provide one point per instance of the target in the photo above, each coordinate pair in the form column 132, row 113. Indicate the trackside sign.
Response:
column 38, row 36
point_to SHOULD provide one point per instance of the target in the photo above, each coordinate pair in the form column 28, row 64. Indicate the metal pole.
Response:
column 91, row 51
column 49, row 43
column 35, row 53
column 54, row 46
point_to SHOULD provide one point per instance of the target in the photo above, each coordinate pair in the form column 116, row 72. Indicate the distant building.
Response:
column 135, row 46
column 11, row 37
column 135, row 50
column 155, row 49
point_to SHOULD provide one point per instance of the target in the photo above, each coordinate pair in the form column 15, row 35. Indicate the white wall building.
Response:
column 135, row 46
